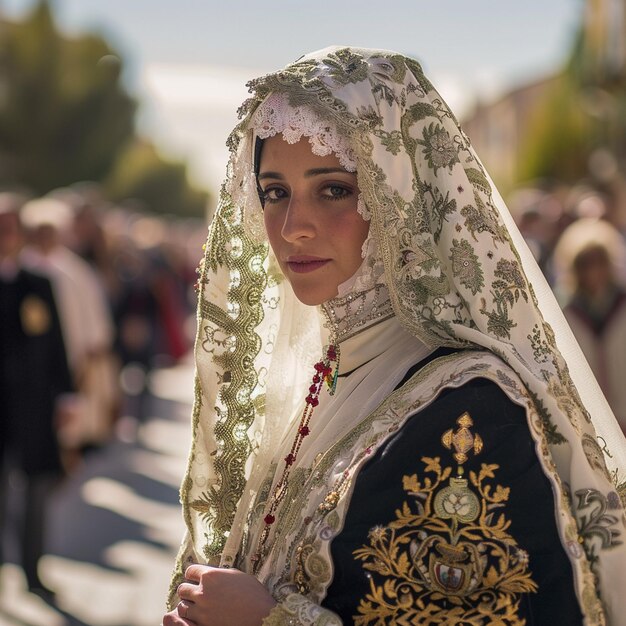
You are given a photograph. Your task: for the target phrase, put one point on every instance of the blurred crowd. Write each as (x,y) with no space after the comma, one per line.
(93,297)
(577,235)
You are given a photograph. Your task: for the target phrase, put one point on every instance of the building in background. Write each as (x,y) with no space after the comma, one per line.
(566,127)
(497,129)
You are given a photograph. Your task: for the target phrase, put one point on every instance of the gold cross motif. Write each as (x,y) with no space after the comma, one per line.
(462,440)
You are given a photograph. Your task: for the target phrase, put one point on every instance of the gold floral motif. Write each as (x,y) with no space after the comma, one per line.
(447,557)
(330,502)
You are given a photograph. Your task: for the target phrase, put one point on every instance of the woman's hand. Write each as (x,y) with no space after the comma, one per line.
(211,596)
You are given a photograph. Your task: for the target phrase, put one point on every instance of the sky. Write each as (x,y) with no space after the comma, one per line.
(188,60)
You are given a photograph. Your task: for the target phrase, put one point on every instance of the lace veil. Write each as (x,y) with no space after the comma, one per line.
(458,272)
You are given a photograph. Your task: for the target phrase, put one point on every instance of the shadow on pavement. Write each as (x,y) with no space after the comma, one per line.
(114,529)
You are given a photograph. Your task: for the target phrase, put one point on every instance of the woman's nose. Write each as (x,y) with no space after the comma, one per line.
(299,220)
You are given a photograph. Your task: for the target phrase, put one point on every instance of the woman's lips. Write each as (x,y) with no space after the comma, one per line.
(304,264)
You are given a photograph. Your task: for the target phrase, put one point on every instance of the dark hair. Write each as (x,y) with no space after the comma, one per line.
(258,147)
(594,252)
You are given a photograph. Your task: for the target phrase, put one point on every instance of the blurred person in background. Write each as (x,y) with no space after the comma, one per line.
(539,215)
(525,207)
(34,381)
(86,234)
(586,203)
(85,320)
(150,305)
(590,258)
(136,326)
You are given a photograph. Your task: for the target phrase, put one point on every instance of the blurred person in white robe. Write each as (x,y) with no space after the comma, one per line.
(590,259)
(85,319)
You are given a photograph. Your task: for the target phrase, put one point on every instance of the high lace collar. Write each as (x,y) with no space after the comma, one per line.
(361,323)
(352,313)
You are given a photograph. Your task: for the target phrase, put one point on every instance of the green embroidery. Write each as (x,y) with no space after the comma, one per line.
(413,114)
(478,179)
(399,66)
(478,220)
(506,291)
(232,356)
(440,208)
(417,112)
(392,141)
(345,67)
(596,524)
(540,347)
(551,432)
(440,151)
(466,266)
(418,72)
(382,91)
(370,116)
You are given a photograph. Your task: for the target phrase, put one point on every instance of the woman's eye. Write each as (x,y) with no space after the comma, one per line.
(337,192)
(274,194)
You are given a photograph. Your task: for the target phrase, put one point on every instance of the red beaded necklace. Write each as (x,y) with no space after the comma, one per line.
(323,374)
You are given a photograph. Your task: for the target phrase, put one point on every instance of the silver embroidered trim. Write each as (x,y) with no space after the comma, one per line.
(350,314)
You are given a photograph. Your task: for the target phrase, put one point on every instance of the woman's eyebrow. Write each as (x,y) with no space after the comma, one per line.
(326,170)
(263,175)
(316,171)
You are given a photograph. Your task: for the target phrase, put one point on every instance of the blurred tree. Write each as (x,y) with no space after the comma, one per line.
(559,136)
(584,114)
(64,115)
(157,185)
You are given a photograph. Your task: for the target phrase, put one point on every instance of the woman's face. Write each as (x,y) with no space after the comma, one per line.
(311,218)
(593,271)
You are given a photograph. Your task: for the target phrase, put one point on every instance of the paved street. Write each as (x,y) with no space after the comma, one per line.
(115,525)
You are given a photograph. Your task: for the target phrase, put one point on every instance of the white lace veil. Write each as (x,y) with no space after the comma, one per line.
(458,273)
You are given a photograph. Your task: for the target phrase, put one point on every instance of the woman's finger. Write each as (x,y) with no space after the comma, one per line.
(183,609)
(188,591)
(174,619)
(194,572)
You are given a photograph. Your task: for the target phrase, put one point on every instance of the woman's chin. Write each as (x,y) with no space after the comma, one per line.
(313,297)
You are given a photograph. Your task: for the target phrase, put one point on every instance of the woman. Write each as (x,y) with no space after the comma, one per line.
(385,429)
(590,260)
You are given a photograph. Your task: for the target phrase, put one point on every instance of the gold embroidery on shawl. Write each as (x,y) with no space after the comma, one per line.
(232,352)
